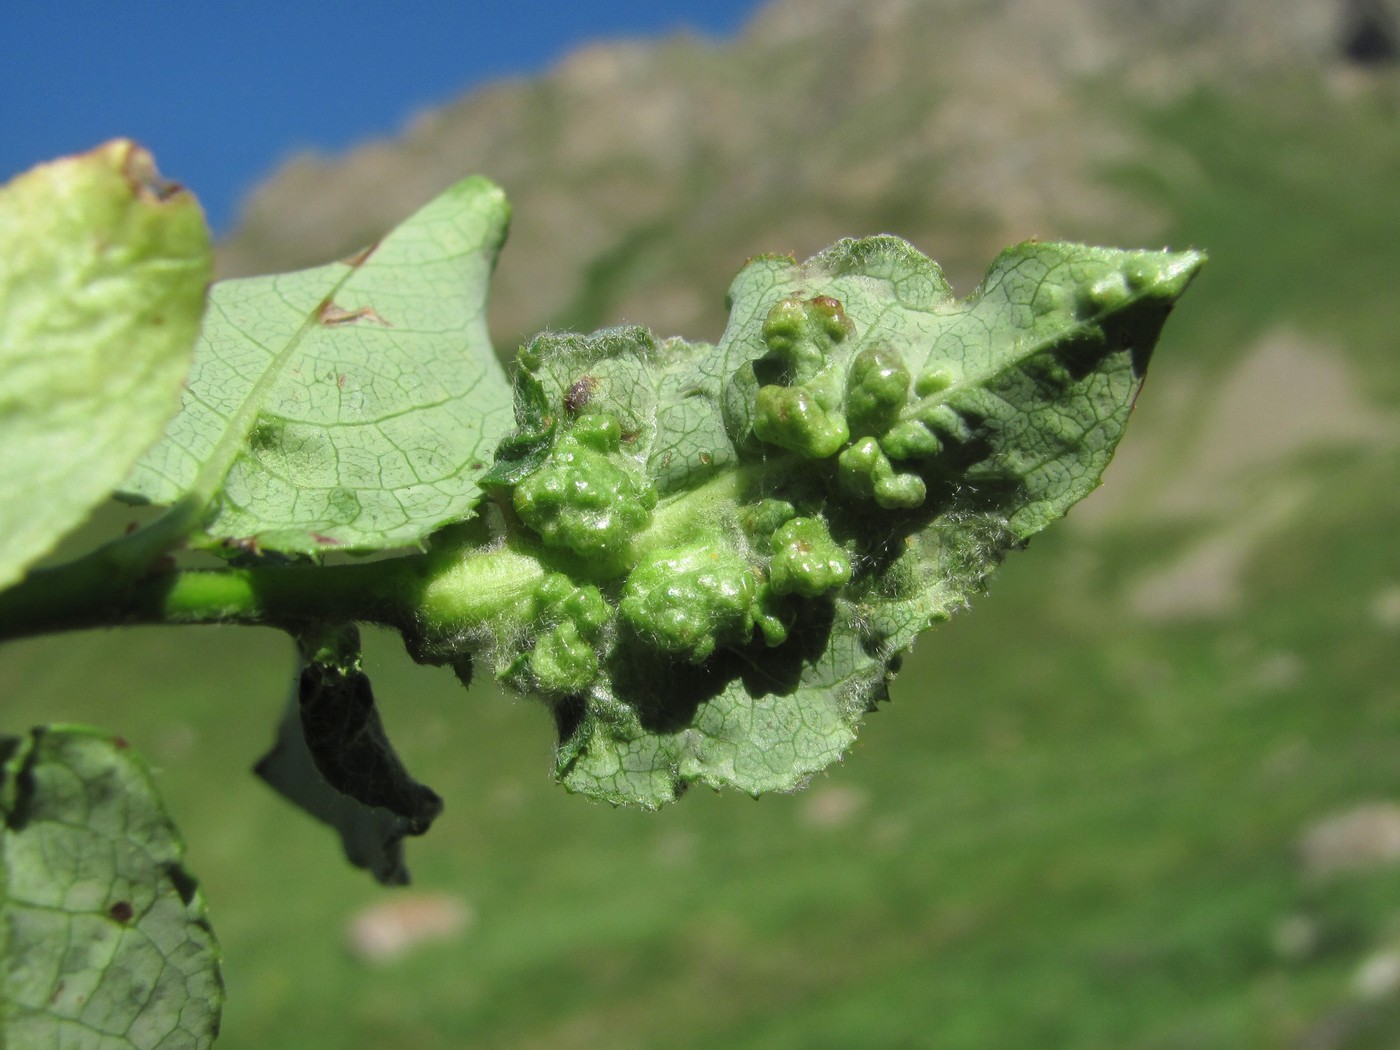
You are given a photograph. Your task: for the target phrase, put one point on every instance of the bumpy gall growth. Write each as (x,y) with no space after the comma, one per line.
(586,498)
(793,418)
(806,560)
(877,389)
(865,471)
(685,602)
(805,414)
(571,618)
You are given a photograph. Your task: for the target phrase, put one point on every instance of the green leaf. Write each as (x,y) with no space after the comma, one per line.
(334,760)
(103,270)
(871,447)
(103,939)
(352,406)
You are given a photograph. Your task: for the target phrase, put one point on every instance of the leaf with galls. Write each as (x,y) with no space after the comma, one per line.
(779,516)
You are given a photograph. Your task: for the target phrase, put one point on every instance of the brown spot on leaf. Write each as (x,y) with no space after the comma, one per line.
(122,911)
(332,315)
(139,169)
(580,393)
(330,541)
(834,311)
(358,258)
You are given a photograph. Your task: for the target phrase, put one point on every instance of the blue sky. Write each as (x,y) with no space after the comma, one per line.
(223,91)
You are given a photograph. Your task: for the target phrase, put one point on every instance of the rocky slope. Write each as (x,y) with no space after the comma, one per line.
(642,174)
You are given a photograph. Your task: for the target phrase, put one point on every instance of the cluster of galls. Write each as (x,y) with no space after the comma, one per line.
(589,502)
(593,503)
(684,602)
(857,407)
(587,498)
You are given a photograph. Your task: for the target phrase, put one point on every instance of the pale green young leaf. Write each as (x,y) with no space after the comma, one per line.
(351,406)
(104,942)
(103,270)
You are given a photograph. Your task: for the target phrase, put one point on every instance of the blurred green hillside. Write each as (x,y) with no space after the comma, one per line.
(1145,794)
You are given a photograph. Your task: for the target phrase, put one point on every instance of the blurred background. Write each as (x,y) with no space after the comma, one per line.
(1146,793)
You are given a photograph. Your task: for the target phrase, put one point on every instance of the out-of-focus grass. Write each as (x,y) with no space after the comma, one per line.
(1072,827)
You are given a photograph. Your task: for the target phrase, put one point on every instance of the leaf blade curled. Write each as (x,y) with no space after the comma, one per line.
(333,760)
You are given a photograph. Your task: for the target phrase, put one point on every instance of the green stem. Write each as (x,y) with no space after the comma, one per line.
(449,591)
(92,592)
(452,589)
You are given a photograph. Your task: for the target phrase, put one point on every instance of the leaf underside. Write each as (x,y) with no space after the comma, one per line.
(1032,377)
(104,944)
(347,407)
